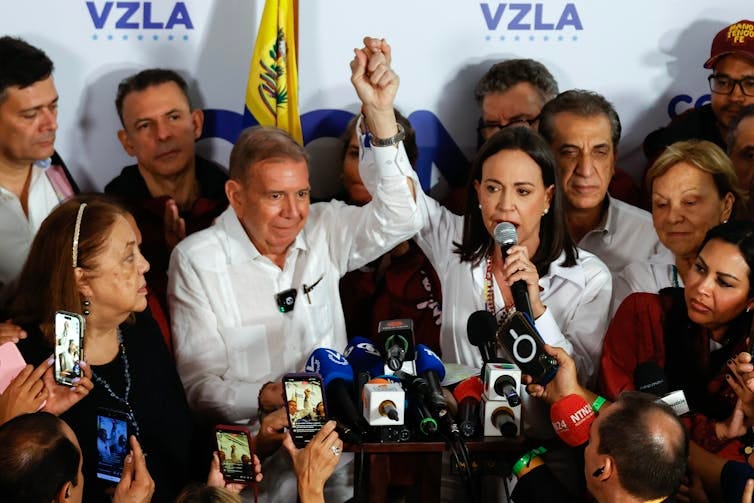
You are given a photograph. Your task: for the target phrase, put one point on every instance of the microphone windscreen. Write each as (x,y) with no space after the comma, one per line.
(481,327)
(330,365)
(571,418)
(469,388)
(505,234)
(428,361)
(650,378)
(363,356)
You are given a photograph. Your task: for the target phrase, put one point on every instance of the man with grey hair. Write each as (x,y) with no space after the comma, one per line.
(740,141)
(513,92)
(254,294)
(583,130)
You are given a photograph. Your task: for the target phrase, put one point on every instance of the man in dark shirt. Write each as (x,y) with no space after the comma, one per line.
(171,191)
(731,85)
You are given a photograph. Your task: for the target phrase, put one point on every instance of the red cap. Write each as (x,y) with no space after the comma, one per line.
(571,417)
(737,38)
(471,387)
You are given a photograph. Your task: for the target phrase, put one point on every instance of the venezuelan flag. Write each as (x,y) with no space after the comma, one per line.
(272,89)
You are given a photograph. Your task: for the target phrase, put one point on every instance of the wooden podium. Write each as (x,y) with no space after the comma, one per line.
(418,465)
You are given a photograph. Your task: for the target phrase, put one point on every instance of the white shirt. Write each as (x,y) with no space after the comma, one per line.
(229,336)
(654,274)
(577,298)
(18,230)
(626,234)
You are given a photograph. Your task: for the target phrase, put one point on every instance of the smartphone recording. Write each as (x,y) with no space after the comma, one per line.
(112,444)
(305,401)
(235,450)
(69,340)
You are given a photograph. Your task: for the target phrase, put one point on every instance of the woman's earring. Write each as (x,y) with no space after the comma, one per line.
(545,212)
(86,303)
(480,206)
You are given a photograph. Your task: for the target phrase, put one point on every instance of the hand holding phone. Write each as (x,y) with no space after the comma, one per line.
(136,484)
(69,346)
(113,432)
(62,397)
(521,340)
(306,406)
(235,452)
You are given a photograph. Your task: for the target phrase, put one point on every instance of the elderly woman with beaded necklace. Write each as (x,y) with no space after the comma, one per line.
(85,259)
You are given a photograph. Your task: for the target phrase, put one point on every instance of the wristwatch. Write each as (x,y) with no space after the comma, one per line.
(388,142)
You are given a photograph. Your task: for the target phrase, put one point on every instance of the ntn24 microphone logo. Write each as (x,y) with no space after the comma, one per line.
(530,16)
(582,414)
(139,15)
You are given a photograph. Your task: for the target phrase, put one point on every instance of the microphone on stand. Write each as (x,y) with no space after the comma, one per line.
(337,379)
(481,328)
(468,394)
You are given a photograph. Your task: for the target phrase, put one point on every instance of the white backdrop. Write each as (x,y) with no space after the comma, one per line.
(643,55)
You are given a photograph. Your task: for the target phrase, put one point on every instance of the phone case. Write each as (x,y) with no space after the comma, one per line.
(11,363)
(523,344)
(69,346)
(306,406)
(236,453)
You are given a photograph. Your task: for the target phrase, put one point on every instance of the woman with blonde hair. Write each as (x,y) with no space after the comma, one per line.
(693,187)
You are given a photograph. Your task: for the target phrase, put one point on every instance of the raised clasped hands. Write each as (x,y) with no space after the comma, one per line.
(376,84)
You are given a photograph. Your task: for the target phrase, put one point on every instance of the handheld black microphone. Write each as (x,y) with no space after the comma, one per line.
(505,236)
(481,328)
(398,345)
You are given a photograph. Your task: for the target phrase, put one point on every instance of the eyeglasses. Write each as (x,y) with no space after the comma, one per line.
(489,128)
(722,84)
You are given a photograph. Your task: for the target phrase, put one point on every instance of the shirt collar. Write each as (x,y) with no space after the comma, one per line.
(43,163)
(574,274)
(607,224)
(239,247)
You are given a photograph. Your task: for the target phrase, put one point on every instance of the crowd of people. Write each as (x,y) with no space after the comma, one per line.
(201,287)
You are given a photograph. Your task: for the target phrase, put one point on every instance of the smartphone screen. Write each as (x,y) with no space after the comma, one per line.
(69,337)
(305,401)
(11,363)
(235,450)
(112,443)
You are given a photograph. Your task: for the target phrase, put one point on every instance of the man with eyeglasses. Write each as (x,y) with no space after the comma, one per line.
(732,88)
(512,93)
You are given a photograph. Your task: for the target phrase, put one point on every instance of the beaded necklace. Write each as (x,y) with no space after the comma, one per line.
(127,375)
(488,296)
